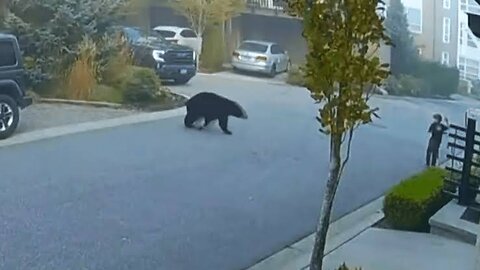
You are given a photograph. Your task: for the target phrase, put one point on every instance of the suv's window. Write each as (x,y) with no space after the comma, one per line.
(7,54)
(253,47)
(166,33)
(135,35)
(188,34)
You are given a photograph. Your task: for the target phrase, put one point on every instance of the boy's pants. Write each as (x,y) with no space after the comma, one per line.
(432,153)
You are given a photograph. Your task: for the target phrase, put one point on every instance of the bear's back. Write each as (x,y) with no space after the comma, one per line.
(208,99)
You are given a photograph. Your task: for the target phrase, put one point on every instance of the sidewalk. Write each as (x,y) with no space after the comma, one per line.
(379,249)
(353,240)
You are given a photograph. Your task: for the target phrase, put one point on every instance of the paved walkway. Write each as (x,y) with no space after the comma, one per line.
(379,249)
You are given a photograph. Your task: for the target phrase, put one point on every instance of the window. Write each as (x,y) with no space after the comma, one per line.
(446,4)
(7,54)
(419,51)
(469,68)
(276,49)
(446,30)
(414,17)
(188,34)
(166,34)
(461,33)
(470,41)
(469,6)
(445,58)
(253,47)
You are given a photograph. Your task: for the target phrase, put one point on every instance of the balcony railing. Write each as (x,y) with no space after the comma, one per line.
(266,4)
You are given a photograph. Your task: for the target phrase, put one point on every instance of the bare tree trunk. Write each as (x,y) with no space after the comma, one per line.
(316,261)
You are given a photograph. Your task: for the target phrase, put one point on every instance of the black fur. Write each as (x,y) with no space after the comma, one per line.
(211,106)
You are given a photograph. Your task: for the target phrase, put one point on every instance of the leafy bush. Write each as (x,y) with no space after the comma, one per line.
(50,31)
(442,80)
(142,86)
(296,76)
(213,49)
(410,204)
(107,93)
(407,85)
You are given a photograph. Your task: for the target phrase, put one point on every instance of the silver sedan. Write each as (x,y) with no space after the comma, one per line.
(260,56)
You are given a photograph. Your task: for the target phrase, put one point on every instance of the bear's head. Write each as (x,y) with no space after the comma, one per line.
(238,111)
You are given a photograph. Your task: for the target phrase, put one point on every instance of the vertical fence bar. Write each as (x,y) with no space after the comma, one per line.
(465,194)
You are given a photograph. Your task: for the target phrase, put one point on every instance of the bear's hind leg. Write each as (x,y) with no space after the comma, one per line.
(223,122)
(207,120)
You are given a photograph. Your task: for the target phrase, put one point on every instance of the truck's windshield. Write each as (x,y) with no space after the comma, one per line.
(135,35)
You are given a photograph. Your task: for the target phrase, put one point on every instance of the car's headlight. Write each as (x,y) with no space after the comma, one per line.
(158,55)
(194,55)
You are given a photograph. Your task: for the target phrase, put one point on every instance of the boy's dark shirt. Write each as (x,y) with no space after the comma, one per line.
(437,130)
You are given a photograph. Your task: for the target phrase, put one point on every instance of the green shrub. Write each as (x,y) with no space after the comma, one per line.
(107,93)
(407,85)
(141,86)
(410,204)
(213,49)
(296,76)
(443,80)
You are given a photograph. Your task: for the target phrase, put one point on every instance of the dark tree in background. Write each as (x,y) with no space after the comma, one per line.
(404,57)
(3,11)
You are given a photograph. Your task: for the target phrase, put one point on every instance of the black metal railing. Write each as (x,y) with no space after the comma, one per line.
(463,180)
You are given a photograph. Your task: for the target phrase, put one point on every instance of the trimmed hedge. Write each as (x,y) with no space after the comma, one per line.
(410,204)
(443,80)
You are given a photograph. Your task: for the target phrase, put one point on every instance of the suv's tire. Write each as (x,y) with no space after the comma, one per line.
(9,116)
(182,81)
(273,71)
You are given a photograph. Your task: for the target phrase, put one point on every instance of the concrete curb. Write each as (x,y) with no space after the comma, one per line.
(297,255)
(90,126)
(82,103)
(98,104)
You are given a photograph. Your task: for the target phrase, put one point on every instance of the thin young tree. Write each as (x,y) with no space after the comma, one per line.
(202,13)
(341,70)
(404,56)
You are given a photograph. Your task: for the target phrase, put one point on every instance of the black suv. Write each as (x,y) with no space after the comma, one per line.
(171,61)
(12,87)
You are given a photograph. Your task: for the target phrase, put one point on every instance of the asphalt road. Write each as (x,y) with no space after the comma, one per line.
(156,196)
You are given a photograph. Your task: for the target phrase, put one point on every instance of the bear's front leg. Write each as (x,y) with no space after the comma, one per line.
(189,120)
(223,121)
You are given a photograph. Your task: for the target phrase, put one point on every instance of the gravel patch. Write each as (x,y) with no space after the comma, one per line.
(42,116)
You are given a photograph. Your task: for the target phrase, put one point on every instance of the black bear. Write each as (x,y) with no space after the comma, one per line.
(211,106)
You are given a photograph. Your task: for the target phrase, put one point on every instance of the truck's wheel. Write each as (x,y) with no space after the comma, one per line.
(9,116)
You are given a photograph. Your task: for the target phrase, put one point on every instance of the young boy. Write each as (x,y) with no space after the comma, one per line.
(437,129)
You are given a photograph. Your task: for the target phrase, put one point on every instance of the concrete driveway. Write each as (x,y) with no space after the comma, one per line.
(158,196)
